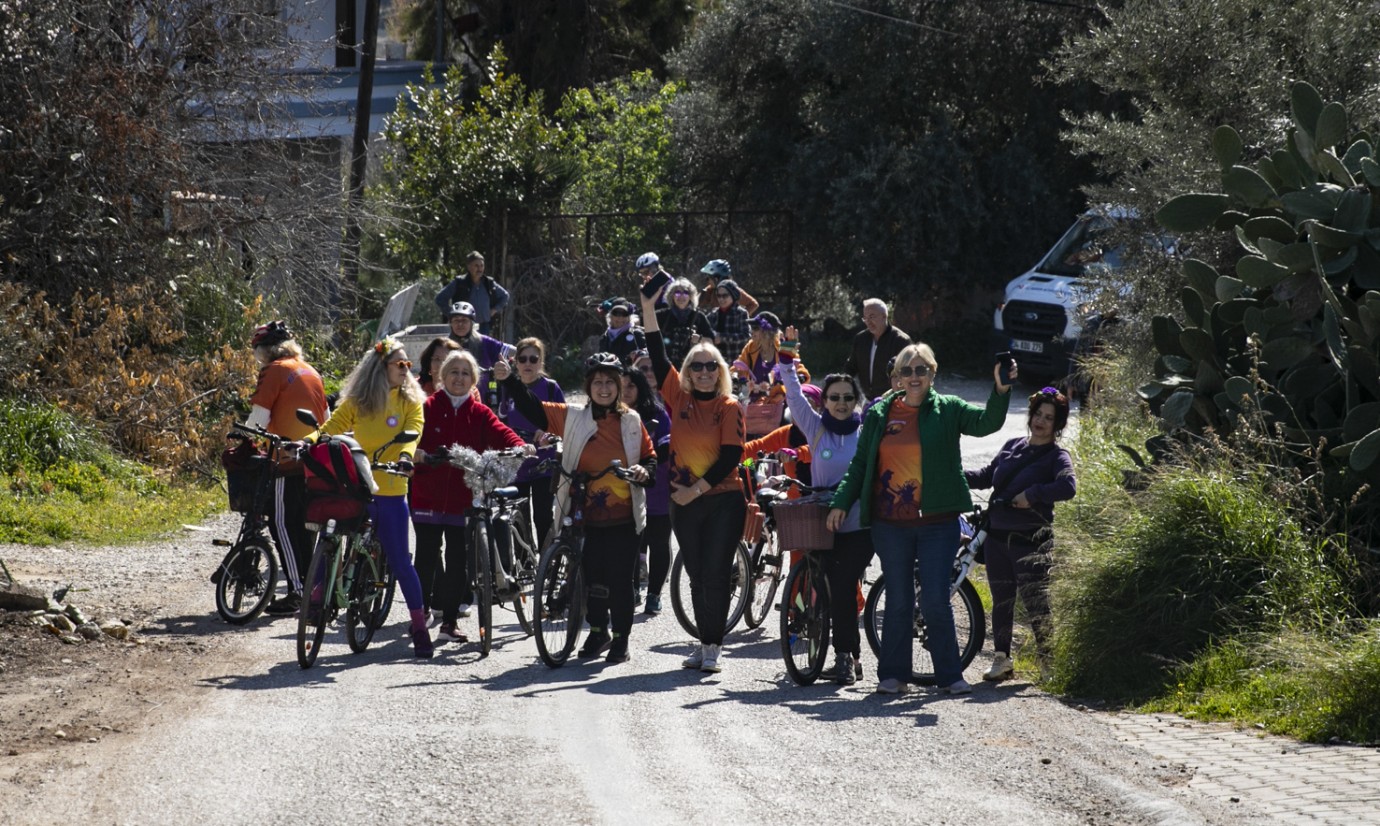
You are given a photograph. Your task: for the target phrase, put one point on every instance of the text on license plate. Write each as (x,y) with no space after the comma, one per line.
(1027,346)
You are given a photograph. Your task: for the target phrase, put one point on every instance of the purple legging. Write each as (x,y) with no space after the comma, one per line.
(391,521)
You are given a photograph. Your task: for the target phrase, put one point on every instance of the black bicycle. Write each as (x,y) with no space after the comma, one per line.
(558,592)
(765,562)
(247,577)
(970,619)
(806,622)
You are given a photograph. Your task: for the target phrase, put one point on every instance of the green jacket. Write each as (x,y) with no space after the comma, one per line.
(942,420)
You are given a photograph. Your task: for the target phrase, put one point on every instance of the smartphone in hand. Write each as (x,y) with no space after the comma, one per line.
(1007,362)
(655,284)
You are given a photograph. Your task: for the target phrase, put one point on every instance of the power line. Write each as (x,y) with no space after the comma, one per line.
(888,17)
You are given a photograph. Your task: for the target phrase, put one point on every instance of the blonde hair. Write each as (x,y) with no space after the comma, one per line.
(920,352)
(725,387)
(367,384)
(458,355)
(283,350)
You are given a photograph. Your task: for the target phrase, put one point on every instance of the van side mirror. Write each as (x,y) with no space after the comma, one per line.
(307,418)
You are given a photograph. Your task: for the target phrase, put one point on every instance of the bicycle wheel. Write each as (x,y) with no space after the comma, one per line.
(558,603)
(365,596)
(739,586)
(381,609)
(805,622)
(766,578)
(524,570)
(681,600)
(970,627)
(481,568)
(248,578)
(317,600)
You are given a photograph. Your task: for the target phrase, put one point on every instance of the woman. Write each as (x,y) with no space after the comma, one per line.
(707,504)
(729,321)
(440,498)
(1027,476)
(615,512)
(908,475)
(833,437)
(381,399)
(430,362)
(681,322)
(622,337)
(286,382)
(530,361)
(758,361)
(656,539)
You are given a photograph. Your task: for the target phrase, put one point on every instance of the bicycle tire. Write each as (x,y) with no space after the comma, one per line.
(740,580)
(379,615)
(524,573)
(767,574)
(970,627)
(558,603)
(481,555)
(248,579)
(805,624)
(366,591)
(314,614)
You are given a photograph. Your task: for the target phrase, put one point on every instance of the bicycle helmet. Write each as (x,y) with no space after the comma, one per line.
(603,361)
(463,308)
(267,335)
(718,268)
(647,259)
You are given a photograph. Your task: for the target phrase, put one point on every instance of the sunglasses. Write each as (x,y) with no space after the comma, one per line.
(680,292)
(704,366)
(724,295)
(848,397)
(404,363)
(528,359)
(623,313)
(919,372)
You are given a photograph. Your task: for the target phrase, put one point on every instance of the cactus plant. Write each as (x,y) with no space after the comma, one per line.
(1291,334)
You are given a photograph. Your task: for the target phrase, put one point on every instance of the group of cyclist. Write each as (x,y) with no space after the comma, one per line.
(661,401)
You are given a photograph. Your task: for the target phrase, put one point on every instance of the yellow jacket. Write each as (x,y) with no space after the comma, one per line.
(378,430)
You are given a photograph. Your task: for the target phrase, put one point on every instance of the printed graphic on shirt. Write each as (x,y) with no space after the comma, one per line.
(608,500)
(898,486)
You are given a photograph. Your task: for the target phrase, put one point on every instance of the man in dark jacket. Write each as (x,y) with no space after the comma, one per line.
(874,347)
(475,288)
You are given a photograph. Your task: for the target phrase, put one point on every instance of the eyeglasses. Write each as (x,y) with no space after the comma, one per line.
(680,292)
(404,363)
(919,371)
(704,366)
(619,312)
(528,359)
(848,397)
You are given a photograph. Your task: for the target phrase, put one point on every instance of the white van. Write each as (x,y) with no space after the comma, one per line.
(1041,319)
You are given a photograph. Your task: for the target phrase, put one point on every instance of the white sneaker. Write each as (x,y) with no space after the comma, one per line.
(435,619)
(696,658)
(960,687)
(891,685)
(710,663)
(1002,668)
(464,609)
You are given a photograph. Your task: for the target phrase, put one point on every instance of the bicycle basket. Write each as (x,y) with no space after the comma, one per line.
(800,524)
(761,419)
(245,469)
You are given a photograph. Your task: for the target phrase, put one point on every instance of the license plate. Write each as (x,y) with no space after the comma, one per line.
(1027,346)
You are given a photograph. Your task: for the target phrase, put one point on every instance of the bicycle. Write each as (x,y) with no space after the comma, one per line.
(765,559)
(739,581)
(348,572)
(558,592)
(247,577)
(489,528)
(806,623)
(970,619)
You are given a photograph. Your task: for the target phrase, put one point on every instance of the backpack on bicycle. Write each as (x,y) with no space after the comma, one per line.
(339,481)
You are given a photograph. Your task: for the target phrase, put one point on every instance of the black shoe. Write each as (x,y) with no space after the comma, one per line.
(283,606)
(618,650)
(596,643)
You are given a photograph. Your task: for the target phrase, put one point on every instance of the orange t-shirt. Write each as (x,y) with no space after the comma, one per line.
(698,430)
(609,499)
(896,494)
(285,385)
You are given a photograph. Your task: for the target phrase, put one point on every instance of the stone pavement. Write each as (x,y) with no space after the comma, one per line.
(1290,781)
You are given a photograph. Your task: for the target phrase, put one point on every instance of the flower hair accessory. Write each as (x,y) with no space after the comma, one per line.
(1048,394)
(386,345)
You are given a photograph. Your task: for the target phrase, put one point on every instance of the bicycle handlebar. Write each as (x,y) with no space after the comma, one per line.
(257,431)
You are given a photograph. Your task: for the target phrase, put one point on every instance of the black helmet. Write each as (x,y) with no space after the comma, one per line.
(267,335)
(603,361)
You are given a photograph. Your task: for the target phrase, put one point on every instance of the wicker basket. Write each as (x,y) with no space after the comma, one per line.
(800,525)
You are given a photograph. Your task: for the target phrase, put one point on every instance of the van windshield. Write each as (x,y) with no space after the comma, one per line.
(1086,243)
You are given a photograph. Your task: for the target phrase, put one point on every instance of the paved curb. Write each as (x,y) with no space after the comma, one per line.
(1290,781)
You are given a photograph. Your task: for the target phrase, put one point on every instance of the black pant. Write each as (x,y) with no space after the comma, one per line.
(708,530)
(543,501)
(287,518)
(610,564)
(1016,567)
(843,567)
(443,588)
(656,542)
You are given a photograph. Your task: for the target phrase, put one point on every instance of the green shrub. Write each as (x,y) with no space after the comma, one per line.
(35,436)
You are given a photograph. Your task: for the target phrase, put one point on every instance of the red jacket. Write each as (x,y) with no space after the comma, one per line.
(439,494)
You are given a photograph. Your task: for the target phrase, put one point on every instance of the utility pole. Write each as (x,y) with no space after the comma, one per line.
(359,148)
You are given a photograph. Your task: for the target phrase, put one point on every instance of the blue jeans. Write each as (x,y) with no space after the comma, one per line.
(926,552)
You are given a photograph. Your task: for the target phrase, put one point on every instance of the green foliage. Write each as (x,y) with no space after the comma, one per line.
(101,510)
(35,437)
(619,137)
(452,167)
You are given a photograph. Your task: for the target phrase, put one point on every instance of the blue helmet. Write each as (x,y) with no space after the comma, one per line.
(647,259)
(718,268)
